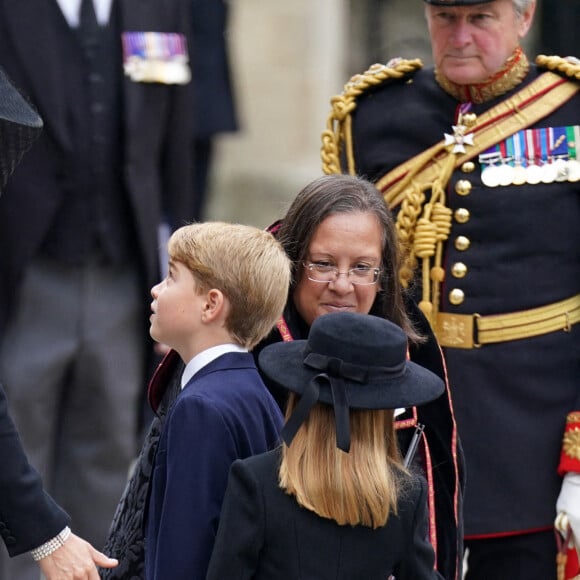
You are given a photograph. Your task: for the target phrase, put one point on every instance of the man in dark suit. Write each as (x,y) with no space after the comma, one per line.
(29,518)
(213,93)
(113,162)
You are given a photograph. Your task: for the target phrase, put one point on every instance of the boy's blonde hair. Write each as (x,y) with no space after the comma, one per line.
(245,263)
(356,488)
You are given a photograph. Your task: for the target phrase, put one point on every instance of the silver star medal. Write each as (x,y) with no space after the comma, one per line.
(459,139)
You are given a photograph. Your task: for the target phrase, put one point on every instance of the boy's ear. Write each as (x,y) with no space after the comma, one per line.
(214,305)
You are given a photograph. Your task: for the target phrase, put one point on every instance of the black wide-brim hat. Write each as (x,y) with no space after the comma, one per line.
(349,360)
(20,125)
(457,2)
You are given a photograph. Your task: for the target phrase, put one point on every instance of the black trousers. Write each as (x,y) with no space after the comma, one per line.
(521,557)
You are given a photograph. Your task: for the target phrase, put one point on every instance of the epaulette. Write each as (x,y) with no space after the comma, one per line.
(337,133)
(570,456)
(568,66)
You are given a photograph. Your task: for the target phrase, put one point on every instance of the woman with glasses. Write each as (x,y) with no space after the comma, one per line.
(342,242)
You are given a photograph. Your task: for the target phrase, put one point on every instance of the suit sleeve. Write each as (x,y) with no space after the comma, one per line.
(419,560)
(28,515)
(200,449)
(241,531)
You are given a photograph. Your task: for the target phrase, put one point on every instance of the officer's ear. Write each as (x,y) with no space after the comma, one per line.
(526,19)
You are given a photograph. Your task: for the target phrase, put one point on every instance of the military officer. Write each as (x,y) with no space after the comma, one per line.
(479,156)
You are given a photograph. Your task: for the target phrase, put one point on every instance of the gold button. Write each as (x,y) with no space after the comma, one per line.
(459,270)
(469,119)
(456,296)
(468,167)
(462,243)
(463,187)
(461,215)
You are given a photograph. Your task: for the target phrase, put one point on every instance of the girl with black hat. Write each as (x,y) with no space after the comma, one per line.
(334,501)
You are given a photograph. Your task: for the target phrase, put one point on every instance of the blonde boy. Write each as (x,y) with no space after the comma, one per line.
(226,287)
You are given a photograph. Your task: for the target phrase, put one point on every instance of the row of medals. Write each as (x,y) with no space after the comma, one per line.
(500,172)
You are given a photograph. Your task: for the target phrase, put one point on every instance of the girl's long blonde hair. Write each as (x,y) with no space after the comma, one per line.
(357,488)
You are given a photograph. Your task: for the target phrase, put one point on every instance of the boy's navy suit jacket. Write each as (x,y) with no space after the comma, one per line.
(224,413)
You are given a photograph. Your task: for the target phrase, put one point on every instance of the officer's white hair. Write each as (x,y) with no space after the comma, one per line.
(520,6)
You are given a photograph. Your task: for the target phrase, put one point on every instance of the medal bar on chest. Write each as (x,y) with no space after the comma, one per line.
(532,156)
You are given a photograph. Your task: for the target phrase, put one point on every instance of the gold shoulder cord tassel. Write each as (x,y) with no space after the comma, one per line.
(424,227)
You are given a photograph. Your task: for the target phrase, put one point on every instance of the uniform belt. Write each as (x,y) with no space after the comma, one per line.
(474,330)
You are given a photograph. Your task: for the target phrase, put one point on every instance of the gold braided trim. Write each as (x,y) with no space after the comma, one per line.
(507,78)
(338,125)
(571,444)
(570,456)
(473,330)
(562,562)
(568,66)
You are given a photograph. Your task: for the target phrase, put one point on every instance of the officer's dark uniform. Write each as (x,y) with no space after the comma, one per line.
(511,248)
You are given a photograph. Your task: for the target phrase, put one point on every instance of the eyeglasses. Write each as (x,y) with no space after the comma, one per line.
(325,273)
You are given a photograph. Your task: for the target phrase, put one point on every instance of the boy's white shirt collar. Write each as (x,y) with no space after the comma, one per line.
(71,9)
(205,357)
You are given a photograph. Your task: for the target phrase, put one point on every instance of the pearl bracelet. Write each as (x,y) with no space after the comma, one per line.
(51,546)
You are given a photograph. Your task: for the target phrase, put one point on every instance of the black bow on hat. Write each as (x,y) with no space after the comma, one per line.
(350,361)
(20,125)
